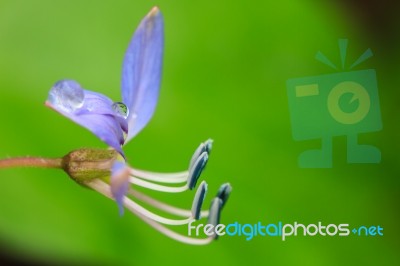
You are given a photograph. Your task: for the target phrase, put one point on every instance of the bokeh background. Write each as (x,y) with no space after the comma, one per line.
(225,68)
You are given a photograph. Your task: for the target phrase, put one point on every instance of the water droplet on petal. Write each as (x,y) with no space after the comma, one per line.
(120,109)
(67,94)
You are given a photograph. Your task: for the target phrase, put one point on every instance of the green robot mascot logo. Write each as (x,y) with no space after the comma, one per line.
(344,103)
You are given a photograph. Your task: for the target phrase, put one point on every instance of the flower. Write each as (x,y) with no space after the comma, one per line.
(116,123)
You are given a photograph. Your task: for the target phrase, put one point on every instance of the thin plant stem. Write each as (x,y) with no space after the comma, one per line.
(30,162)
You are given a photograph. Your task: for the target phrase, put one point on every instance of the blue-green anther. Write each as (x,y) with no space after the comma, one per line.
(198,200)
(208,146)
(203,147)
(215,213)
(195,171)
(223,193)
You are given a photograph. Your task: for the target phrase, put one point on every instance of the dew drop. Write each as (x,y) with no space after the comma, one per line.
(67,94)
(121,109)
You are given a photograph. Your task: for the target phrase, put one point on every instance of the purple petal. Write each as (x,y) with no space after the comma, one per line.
(141,71)
(119,183)
(105,127)
(88,109)
(96,103)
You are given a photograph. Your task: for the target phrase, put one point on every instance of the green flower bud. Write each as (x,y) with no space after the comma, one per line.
(86,164)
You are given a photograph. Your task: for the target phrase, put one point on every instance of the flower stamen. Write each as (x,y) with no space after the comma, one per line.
(164,206)
(171,178)
(153,220)
(174,235)
(159,204)
(152,186)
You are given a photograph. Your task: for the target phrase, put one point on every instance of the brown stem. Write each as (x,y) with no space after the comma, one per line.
(30,162)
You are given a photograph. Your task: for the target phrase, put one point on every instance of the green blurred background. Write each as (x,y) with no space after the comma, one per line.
(225,68)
